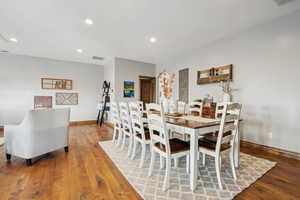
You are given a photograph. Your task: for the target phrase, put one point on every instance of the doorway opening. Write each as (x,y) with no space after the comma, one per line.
(147,89)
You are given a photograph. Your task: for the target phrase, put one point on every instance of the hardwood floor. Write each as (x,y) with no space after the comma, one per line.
(87,173)
(83,173)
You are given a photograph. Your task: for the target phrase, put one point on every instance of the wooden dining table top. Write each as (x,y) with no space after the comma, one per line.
(191,123)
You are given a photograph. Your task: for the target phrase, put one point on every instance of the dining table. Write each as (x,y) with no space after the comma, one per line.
(195,127)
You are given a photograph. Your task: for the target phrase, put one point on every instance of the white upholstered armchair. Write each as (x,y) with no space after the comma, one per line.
(41,131)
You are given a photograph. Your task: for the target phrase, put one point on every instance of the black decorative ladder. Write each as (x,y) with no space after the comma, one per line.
(105,95)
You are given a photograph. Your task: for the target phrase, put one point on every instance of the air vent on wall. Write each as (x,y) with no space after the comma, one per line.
(98,58)
(282,2)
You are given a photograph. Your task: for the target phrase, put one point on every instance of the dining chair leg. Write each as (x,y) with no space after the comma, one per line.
(134,149)
(203,159)
(185,137)
(120,136)
(124,141)
(176,161)
(217,163)
(162,162)
(167,176)
(143,155)
(187,164)
(130,146)
(232,163)
(115,135)
(152,161)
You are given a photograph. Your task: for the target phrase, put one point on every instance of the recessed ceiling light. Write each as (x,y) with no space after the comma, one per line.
(152,39)
(79,50)
(88,21)
(13,40)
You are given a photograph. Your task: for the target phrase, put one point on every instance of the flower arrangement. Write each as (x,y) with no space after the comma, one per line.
(227,90)
(226,87)
(165,84)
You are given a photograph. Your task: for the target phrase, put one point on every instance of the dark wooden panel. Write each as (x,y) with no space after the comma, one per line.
(147,89)
(184,85)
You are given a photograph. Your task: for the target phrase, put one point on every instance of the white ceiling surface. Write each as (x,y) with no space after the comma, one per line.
(56,28)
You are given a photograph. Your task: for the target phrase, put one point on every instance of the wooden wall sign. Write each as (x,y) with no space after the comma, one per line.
(56,84)
(66,98)
(215,75)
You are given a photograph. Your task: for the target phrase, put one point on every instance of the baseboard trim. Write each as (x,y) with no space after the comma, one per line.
(109,124)
(273,150)
(80,123)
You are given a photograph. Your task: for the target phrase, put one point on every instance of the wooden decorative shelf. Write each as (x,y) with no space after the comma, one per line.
(56,84)
(215,75)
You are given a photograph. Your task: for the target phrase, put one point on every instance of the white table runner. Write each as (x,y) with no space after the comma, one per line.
(198,119)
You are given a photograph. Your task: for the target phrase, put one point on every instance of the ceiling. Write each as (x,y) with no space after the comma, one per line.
(122,28)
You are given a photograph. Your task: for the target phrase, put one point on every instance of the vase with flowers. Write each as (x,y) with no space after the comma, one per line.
(227,91)
(166,82)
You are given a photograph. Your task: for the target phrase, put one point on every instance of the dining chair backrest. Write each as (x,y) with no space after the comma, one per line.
(181,107)
(172,106)
(219,110)
(125,117)
(141,105)
(157,123)
(229,124)
(136,119)
(196,107)
(115,114)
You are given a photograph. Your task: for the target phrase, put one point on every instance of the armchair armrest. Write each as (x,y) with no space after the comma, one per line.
(14,139)
(10,131)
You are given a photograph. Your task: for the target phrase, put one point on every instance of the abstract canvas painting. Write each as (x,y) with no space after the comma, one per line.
(66,98)
(128,89)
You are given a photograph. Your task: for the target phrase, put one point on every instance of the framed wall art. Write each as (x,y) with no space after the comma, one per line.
(42,102)
(128,89)
(66,98)
(56,84)
(215,75)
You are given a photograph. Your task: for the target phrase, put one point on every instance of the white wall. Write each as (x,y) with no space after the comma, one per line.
(130,70)
(109,72)
(20,81)
(266,63)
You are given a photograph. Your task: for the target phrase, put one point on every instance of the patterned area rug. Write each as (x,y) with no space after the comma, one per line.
(251,168)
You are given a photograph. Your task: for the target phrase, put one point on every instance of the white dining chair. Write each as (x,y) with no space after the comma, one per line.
(126,126)
(161,144)
(115,114)
(141,106)
(214,145)
(141,134)
(181,107)
(172,107)
(219,110)
(196,107)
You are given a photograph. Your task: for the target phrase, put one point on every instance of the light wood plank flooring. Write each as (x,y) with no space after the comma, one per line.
(87,173)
